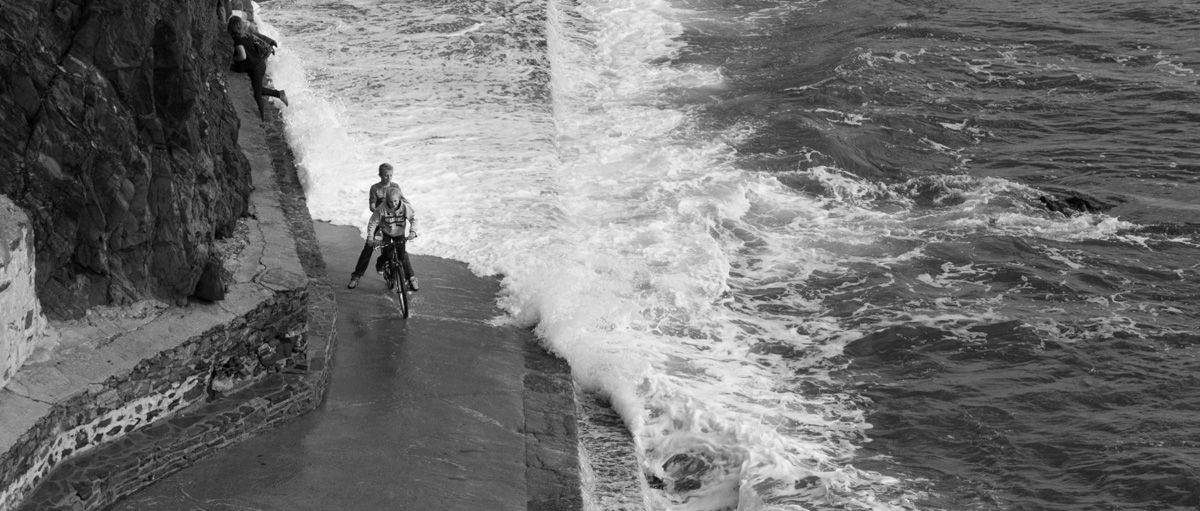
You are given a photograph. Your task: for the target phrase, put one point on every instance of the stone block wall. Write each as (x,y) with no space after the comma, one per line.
(22,324)
(166,385)
(147,455)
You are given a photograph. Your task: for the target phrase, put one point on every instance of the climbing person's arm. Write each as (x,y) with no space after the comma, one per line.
(267,39)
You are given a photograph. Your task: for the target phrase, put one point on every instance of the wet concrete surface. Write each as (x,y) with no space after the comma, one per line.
(424,413)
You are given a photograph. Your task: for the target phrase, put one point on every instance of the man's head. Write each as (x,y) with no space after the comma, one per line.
(385,172)
(393,197)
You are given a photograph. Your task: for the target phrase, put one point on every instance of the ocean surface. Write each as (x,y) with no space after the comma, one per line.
(804,255)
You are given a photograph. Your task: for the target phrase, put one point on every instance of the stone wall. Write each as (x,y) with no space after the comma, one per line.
(21,322)
(164,385)
(120,144)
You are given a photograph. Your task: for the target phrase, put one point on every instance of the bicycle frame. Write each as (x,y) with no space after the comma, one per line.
(396,275)
(394,262)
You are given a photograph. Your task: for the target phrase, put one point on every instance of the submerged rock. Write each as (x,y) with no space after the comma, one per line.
(1071,205)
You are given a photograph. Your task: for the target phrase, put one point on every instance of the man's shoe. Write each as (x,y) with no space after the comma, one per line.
(353,282)
(412,284)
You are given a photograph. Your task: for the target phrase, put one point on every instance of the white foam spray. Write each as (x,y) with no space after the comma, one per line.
(670,280)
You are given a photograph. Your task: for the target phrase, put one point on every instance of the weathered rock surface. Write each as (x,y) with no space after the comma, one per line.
(119,143)
(21,320)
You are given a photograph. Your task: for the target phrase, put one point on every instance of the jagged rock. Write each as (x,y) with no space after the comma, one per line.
(120,144)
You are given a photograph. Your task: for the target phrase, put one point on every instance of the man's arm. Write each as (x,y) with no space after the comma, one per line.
(371,202)
(371,226)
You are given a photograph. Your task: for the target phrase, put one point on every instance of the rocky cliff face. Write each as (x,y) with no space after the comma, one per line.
(119,143)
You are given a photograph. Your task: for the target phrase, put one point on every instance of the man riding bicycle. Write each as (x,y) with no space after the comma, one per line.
(388,222)
(379,190)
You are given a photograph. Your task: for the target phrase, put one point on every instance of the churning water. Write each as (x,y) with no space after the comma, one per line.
(841,254)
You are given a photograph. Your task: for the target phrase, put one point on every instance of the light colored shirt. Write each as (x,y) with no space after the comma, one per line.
(378,194)
(392,222)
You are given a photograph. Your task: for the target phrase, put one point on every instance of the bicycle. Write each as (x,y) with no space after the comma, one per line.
(395,275)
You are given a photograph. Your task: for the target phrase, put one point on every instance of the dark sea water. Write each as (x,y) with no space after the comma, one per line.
(1006,364)
(841,254)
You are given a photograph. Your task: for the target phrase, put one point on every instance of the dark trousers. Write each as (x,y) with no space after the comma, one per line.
(257,72)
(364,258)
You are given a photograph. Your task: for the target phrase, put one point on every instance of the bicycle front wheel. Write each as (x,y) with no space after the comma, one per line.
(399,280)
(402,297)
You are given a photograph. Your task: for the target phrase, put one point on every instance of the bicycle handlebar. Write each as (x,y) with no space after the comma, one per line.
(391,241)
